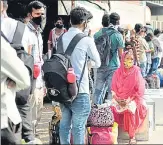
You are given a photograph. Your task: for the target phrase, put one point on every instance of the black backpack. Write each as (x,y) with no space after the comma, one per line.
(23,95)
(103,44)
(55,72)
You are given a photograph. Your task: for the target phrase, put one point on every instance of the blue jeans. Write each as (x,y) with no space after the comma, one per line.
(102,85)
(148,67)
(75,116)
(155,64)
(143,67)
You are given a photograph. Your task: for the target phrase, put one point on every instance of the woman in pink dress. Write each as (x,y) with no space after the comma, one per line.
(128,87)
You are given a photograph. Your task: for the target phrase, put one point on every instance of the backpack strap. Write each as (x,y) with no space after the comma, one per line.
(73,43)
(81,77)
(71,48)
(18,35)
(3,35)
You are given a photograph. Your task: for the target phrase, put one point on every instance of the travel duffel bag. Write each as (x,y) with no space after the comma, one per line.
(101,116)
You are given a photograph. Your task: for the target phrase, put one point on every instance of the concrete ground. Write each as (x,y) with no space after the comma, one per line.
(156,137)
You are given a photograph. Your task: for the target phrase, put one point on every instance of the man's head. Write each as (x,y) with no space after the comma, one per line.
(149,37)
(80,17)
(139,28)
(59,23)
(114,19)
(157,32)
(36,12)
(105,20)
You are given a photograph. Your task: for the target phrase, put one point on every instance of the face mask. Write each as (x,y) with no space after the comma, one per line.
(59,26)
(128,63)
(41,21)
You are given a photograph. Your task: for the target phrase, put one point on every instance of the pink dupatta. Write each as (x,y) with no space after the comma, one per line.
(128,84)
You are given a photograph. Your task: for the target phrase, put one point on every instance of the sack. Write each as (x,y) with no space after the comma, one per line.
(103,44)
(23,95)
(103,135)
(101,116)
(55,73)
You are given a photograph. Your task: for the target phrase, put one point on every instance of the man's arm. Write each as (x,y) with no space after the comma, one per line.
(93,53)
(13,67)
(120,44)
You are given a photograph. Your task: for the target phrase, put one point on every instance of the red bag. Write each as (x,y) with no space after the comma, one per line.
(36,71)
(103,135)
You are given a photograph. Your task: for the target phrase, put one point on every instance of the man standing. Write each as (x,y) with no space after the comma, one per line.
(37,20)
(156,58)
(103,82)
(77,113)
(13,79)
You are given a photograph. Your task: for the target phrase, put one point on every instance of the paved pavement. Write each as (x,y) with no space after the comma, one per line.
(156,136)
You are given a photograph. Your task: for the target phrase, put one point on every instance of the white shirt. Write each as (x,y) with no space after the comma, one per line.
(85,46)
(8,27)
(157,47)
(36,42)
(11,67)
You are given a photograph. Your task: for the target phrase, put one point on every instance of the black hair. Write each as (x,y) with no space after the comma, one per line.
(35,5)
(59,18)
(121,30)
(114,17)
(78,15)
(138,27)
(105,20)
(157,31)
(148,37)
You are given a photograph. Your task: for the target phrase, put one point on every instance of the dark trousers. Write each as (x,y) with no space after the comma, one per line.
(27,126)
(12,134)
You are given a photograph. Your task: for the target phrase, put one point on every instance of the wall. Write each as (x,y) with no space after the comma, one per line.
(131,13)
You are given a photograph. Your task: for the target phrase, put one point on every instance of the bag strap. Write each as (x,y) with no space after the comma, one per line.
(83,70)
(3,35)
(73,43)
(18,35)
(71,48)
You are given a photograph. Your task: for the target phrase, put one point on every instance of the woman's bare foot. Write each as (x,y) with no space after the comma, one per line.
(132,141)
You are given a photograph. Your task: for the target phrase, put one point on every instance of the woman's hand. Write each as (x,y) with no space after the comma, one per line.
(122,103)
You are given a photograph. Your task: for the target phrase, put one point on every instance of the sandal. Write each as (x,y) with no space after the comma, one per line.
(132,141)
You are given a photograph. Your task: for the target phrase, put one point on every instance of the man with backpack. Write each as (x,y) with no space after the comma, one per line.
(110,45)
(16,31)
(13,79)
(67,74)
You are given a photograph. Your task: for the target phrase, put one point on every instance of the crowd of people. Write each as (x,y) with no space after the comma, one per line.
(118,74)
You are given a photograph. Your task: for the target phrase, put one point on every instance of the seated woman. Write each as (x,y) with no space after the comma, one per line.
(128,87)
